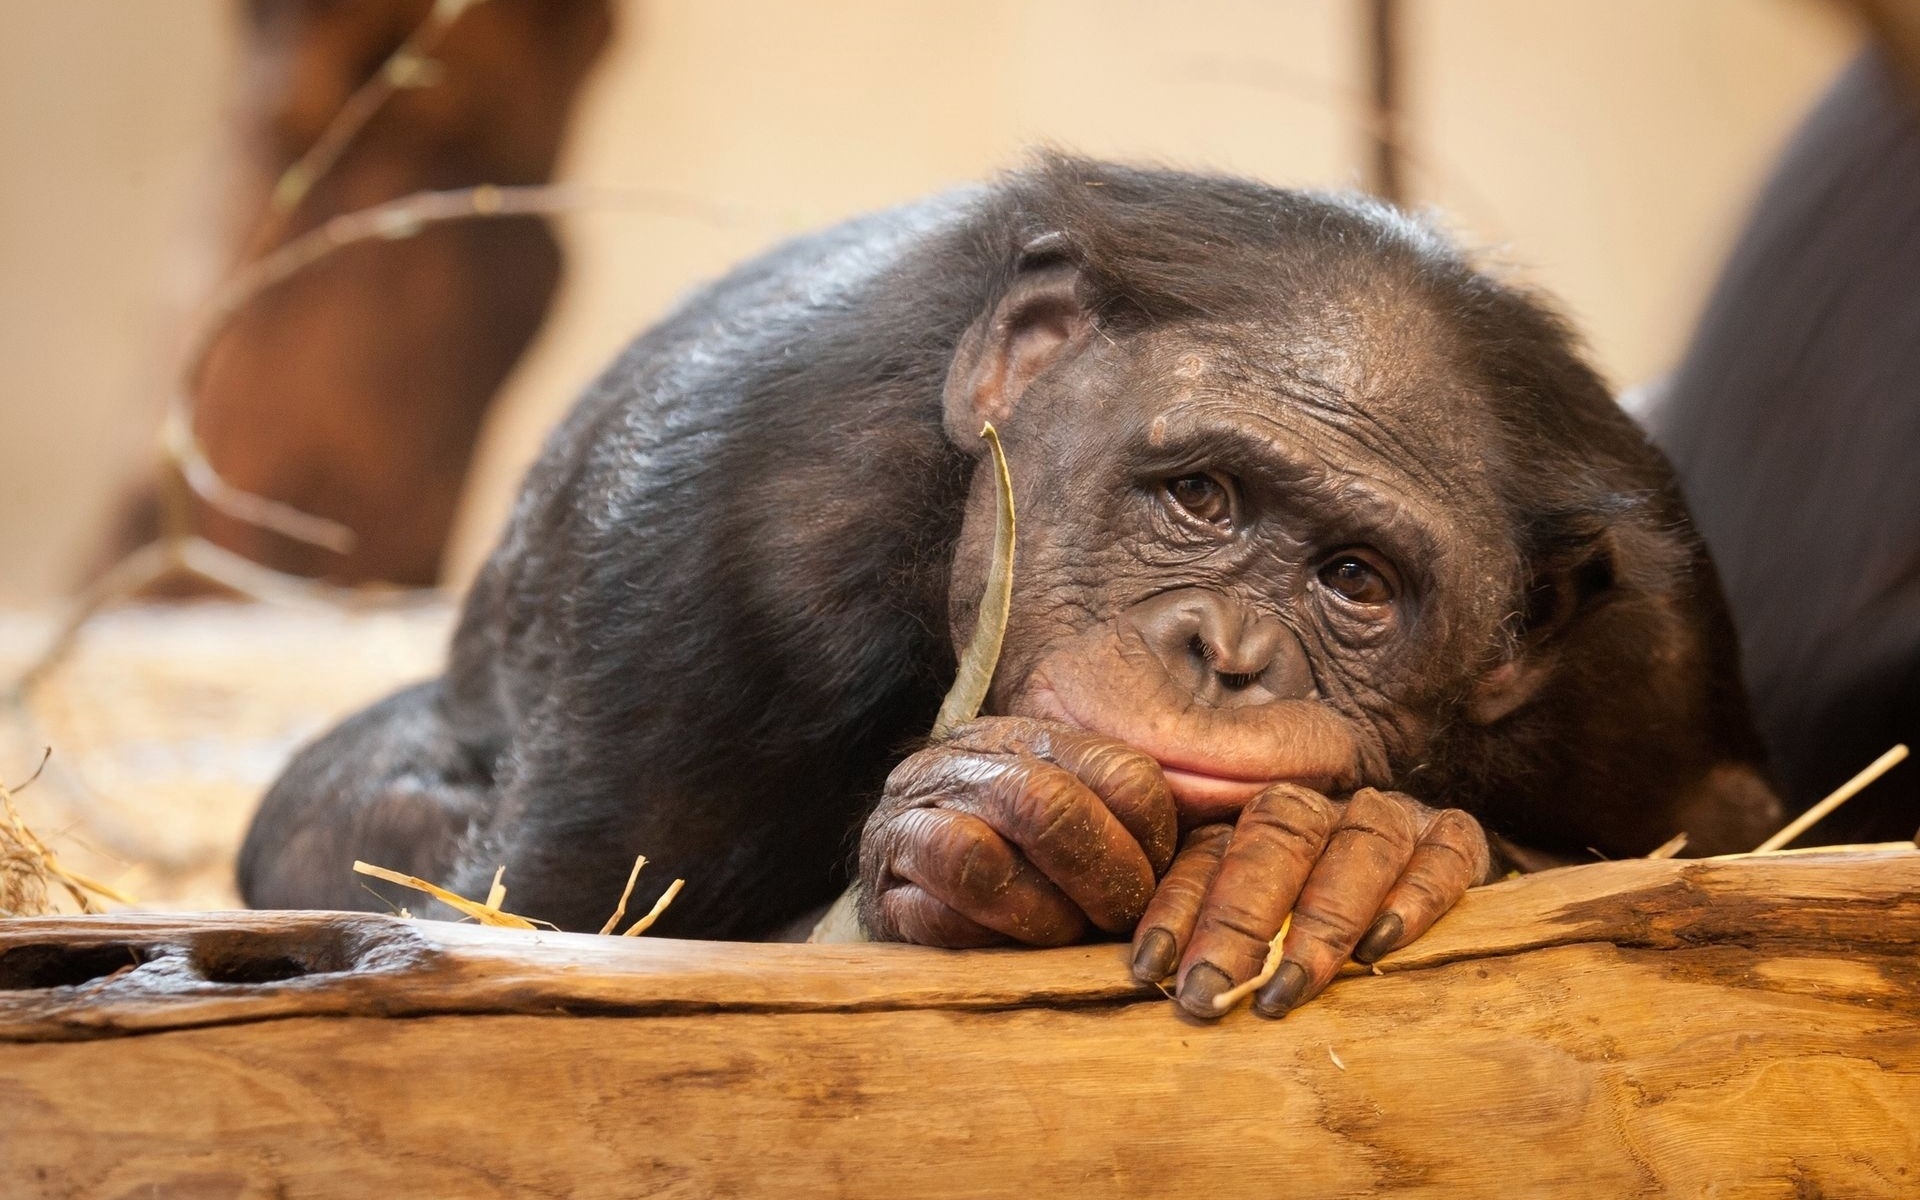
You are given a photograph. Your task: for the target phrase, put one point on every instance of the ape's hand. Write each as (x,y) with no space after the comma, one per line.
(1360,877)
(1015,829)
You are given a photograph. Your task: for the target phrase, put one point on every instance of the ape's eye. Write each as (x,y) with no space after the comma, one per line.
(1357,579)
(1204,497)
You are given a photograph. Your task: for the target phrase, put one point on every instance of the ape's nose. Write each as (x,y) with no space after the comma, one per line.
(1228,654)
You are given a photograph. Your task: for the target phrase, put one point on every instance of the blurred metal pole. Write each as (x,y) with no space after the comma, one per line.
(1384,175)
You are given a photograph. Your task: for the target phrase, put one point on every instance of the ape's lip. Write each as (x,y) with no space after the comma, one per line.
(1204,799)
(1206,787)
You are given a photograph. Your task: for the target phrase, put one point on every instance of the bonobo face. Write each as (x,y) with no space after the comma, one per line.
(1256,553)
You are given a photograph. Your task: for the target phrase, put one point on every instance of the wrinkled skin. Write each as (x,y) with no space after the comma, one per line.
(1228,624)
(1237,615)
(1327,541)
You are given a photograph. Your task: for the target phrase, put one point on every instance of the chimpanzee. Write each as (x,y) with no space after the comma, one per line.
(1315,519)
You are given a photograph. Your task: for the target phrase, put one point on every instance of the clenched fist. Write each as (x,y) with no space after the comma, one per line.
(1016,829)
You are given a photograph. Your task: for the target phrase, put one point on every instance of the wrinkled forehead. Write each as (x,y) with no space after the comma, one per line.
(1382,417)
(1378,398)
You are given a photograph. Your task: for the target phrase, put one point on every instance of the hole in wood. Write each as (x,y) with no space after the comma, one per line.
(270,958)
(51,966)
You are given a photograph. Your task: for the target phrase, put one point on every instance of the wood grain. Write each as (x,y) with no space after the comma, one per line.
(1744,1027)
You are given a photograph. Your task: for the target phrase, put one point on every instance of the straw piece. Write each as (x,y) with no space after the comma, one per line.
(969,691)
(1234,995)
(486,914)
(27,864)
(1845,792)
(1671,846)
(626,894)
(659,906)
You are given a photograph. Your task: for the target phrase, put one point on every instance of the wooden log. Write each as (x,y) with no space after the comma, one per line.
(1737,1027)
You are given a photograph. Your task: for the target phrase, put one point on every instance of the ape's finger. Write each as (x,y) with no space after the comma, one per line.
(959,860)
(1128,780)
(1451,857)
(1167,926)
(912,914)
(1277,840)
(1366,854)
(1064,830)
(1135,791)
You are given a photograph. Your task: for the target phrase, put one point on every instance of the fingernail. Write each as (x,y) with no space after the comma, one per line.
(1384,935)
(1203,982)
(1282,992)
(1153,961)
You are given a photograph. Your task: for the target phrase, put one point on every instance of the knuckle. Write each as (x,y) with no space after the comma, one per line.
(1047,798)
(1295,813)
(959,854)
(1397,840)
(1297,798)
(1207,839)
(1463,866)
(1428,895)
(1458,831)
(917,775)
(997,735)
(1407,803)
(1245,907)
(1324,931)
(1381,815)
(1177,889)
(1235,923)
(976,875)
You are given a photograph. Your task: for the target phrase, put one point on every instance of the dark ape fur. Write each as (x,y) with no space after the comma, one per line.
(720,608)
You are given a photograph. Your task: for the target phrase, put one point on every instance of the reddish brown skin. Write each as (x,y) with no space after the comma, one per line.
(1261,686)
(1054,820)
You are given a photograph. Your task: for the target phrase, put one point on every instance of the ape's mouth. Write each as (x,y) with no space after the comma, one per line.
(1215,759)
(1204,798)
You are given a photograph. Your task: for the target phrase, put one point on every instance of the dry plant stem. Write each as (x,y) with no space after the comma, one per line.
(405,67)
(1670,847)
(486,914)
(626,894)
(392,221)
(1845,792)
(490,912)
(179,550)
(1234,995)
(22,847)
(659,906)
(982,655)
(191,556)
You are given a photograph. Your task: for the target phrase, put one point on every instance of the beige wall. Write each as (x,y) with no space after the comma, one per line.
(1605,147)
(108,112)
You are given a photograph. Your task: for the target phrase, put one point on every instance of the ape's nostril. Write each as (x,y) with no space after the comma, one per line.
(1233,681)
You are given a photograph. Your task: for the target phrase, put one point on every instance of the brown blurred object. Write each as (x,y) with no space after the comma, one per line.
(356,391)
(1895,24)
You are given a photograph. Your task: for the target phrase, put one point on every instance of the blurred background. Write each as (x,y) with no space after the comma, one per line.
(1606,148)
(363,416)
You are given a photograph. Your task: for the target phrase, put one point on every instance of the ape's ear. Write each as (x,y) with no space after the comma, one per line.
(1036,321)
(1570,580)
